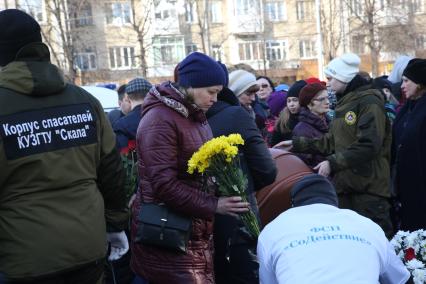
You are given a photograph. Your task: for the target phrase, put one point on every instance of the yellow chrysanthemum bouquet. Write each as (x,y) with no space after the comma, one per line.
(218,159)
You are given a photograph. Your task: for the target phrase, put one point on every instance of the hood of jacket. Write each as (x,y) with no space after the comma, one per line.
(399,66)
(317,122)
(227,95)
(357,89)
(32,73)
(169,95)
(225,98)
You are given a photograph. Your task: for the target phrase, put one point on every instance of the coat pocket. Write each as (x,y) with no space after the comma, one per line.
(353,180)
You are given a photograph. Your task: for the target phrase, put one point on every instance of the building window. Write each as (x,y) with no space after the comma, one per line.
(304,10)
(356,7)
(250,51)
(402,4)
(165,14)
(276,11)
(190,48)
(118,13)
(420,42)
(33,7)
(243,6)
(83,16)
(276,50)
(190,12)
(307,49)
(416,6)
(86,61)
(358,44)
(122,57)
(168,50)
(217,52)
(216,12)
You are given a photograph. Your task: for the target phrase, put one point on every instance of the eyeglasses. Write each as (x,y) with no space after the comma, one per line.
(264,86)
(321,100)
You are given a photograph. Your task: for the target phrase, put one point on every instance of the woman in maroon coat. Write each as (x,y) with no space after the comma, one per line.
(172,128)
(313,100)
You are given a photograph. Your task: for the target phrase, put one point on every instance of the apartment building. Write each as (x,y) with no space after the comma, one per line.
(116,40)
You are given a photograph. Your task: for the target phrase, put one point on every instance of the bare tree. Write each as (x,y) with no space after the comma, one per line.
(330,28)
(211,35)
(200,9)
(59,36)
(141,24)
(373,18)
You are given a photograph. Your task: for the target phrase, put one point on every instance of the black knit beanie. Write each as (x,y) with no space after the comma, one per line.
(295,89)
(416,70)
(313,189)
(17,29)
(382,83)
(226,73)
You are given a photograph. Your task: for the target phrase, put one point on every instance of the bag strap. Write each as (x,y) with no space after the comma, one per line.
(164,220)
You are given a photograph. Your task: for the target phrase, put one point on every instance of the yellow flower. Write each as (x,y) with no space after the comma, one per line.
(235,139)
(222,146)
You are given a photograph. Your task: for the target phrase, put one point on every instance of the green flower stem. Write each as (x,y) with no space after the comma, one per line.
(232,182)
(250,221)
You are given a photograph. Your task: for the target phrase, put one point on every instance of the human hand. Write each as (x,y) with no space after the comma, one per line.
(286,145)
(119,245)
(231,206)
(323,168)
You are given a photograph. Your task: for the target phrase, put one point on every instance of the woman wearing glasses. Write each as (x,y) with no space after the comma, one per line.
(313,100)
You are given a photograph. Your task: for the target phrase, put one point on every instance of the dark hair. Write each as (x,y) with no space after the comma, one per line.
(121,91)
(137,95)
(365,75)
(269,81)
(176,74)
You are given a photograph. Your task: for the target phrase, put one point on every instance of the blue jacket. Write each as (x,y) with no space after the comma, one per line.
(226,117)
(126,127)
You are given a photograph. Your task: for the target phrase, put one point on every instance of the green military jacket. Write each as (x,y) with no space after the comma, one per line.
(61,178)
(357,145)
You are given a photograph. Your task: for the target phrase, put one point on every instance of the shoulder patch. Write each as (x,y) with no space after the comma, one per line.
(350,118)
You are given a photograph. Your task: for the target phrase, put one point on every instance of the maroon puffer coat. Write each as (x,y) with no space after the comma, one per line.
(170,131)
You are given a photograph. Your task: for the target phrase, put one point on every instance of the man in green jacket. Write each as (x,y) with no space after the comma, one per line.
(61,178)
(357,145)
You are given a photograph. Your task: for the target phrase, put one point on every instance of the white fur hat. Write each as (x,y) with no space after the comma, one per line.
(240,81)
(343,68)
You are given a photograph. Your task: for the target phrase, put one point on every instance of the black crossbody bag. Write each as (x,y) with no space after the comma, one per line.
(161,227)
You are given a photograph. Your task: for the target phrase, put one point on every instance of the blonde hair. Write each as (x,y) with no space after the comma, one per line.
(283,121)
(421,88)
(420,91)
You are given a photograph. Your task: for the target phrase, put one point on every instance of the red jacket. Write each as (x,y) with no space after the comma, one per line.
(170,131)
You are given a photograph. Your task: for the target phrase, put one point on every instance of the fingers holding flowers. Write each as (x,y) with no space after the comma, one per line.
(233,206)
(218,159)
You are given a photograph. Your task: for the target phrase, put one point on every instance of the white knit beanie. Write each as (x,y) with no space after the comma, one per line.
(240,81)
(343,68)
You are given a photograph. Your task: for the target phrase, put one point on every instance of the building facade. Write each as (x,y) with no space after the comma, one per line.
(117,40)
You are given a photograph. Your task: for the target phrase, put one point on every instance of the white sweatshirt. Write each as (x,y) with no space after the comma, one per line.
(321,243)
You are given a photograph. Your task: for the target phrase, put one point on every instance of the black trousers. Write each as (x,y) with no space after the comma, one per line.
(374,207)
(235,260)
(88,274)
